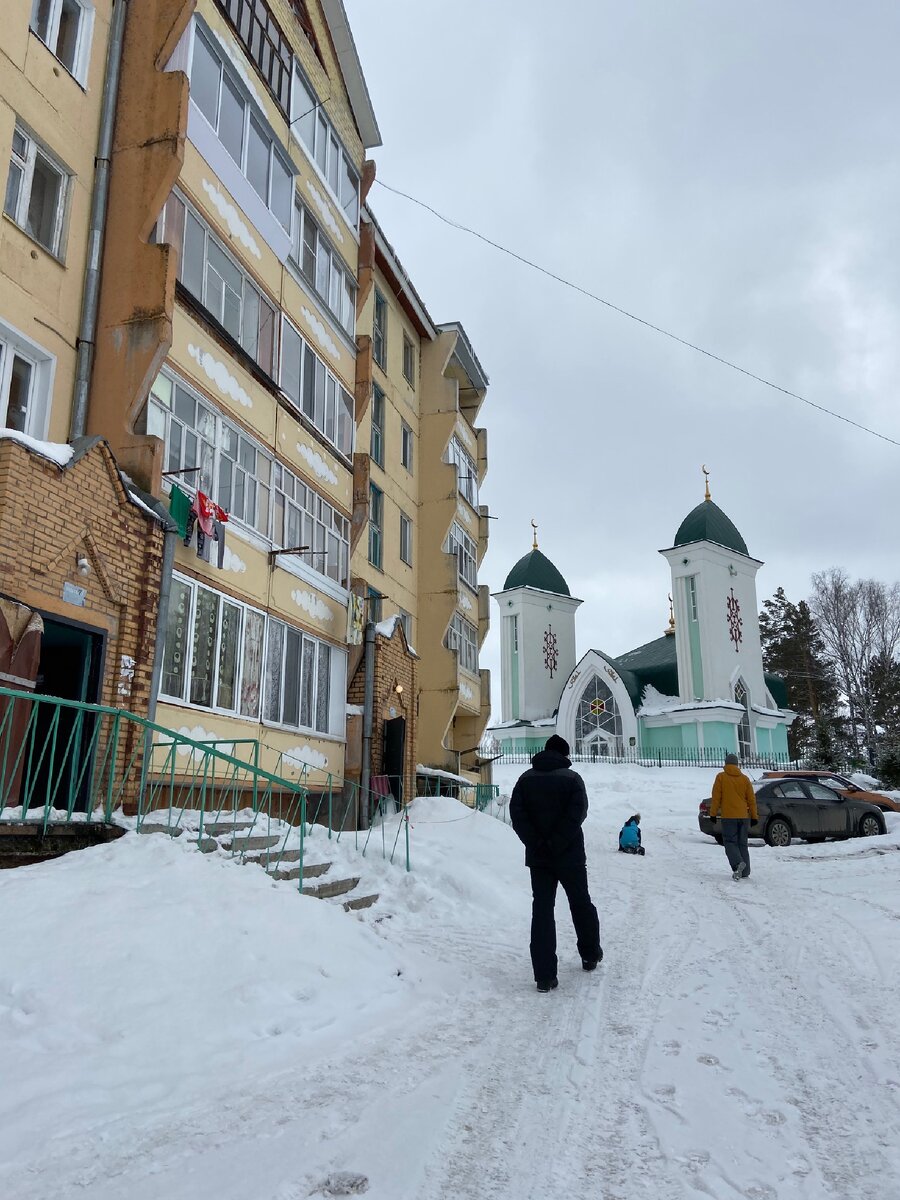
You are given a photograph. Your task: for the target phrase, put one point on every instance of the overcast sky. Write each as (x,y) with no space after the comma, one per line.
(729,172)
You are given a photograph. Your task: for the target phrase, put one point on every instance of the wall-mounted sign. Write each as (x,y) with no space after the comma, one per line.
(73,594)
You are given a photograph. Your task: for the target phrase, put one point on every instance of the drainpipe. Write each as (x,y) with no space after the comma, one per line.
(365,773)
(162,619)
(87,331)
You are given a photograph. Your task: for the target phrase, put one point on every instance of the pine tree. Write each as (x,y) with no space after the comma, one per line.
(792,648)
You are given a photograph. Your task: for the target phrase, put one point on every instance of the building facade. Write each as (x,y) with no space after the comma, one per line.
(81,550)
(260,374)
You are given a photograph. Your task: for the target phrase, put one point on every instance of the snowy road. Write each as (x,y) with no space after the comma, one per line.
(739,1040)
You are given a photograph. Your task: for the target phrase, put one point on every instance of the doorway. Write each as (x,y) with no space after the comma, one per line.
(70,666)
(393,753)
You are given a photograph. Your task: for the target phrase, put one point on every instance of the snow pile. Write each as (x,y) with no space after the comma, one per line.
(177,1025)
(57,452)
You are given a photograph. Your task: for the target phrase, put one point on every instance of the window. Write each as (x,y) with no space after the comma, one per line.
(376,525)
(64,26)
(406,446)
(303,518)
(218,283)
(25,380)
(234,472)
(466,551)
(598,721)
(466,477)
(376,600)
(316,393)
(406,622)
(323,268)
(406,536)
(409,361)
(745,735)
(462,636)
(692,597)
(313,129)
(36,191)
(222,100)
(377,445)
(265,45)
(298,679)
(222,654)
(379,331)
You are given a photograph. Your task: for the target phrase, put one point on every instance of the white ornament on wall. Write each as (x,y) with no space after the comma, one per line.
(218,374)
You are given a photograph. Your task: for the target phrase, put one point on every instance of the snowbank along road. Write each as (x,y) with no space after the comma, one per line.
(180,1028)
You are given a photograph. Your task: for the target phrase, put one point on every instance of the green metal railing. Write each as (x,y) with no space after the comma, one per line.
(64,760)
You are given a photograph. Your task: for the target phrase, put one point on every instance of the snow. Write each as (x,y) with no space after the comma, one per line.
(176,1025)
(57,452)
(437,773)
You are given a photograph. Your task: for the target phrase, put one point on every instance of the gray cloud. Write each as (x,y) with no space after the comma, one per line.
(728,173)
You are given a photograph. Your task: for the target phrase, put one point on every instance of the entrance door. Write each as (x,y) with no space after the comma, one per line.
(70,667)
(394,751)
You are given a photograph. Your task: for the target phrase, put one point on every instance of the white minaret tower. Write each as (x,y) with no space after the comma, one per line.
(537,637)
(716,615)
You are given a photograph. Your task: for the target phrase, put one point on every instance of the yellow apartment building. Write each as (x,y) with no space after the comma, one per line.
(81,551)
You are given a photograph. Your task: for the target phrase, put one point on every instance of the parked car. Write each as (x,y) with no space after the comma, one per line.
(841,784)
(803,808)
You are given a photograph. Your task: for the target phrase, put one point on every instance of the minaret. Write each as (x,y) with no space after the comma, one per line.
(537,637)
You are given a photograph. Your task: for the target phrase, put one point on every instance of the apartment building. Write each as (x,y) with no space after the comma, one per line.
(417,471)
(81,550)
(237,188)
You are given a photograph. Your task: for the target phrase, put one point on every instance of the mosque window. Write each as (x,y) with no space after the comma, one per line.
(598,721)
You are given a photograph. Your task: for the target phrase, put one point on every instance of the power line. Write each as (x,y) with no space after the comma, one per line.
(725,362)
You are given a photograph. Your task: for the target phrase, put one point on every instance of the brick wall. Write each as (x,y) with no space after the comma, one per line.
(393,664)
(48,517)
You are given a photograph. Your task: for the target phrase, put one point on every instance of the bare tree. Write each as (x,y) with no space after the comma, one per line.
(860,625)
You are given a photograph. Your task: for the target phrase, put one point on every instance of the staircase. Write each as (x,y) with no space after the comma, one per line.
(255,849)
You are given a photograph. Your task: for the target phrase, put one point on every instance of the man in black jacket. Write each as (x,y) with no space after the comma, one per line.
(548,807)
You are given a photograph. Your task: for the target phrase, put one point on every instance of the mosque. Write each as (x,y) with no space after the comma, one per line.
(698,691)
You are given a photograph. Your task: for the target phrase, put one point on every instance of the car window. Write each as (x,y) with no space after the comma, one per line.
(818,792)
(789,791)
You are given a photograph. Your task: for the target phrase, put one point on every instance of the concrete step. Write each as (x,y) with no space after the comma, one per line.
(252,841)
(359,902)
(334,887)
(155,827)
(285,856)
(217,828)
(310,871)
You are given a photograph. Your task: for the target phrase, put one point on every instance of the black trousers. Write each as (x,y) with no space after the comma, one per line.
(571,872)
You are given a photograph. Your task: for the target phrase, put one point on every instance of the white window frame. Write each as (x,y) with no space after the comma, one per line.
(82,56)
(25,164)
(407,446)
(302,92)
(409,359)
(376,527)
(406,539)
(380,329)
(251,111)
(465,549)
(692,598)
(377,439)
(462,636)
(328,263)
(466,472)
(14,344)
(334,392)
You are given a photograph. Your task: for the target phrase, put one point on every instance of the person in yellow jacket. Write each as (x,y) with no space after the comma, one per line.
(734,800)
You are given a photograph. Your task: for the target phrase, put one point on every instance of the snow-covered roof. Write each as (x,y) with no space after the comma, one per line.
(57,452)
(437,773)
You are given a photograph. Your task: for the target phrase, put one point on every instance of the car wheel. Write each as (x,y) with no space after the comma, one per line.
(778,832)
(869,826)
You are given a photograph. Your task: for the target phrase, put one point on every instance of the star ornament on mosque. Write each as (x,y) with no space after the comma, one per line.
(735,620)
(551,651)
(598,707)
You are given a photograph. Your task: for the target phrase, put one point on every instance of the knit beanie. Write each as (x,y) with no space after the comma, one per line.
(560,745)
(731,759)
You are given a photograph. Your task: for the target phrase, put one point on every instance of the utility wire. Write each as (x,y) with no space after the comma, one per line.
(640,320)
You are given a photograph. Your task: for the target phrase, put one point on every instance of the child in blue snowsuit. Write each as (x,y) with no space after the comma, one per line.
(630,836)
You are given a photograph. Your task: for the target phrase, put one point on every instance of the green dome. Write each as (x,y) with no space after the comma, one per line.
(537,571)
(707,523)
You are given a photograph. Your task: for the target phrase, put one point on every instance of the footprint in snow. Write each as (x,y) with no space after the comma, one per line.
(671,1048)
(341,1183)
(708,1060)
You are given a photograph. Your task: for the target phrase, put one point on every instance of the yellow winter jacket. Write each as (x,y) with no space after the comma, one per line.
(733,795)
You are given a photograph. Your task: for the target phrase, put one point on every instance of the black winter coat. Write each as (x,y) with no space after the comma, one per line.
(547,809)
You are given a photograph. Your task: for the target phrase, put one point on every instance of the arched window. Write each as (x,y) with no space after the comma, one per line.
(745,735)
(598,722)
